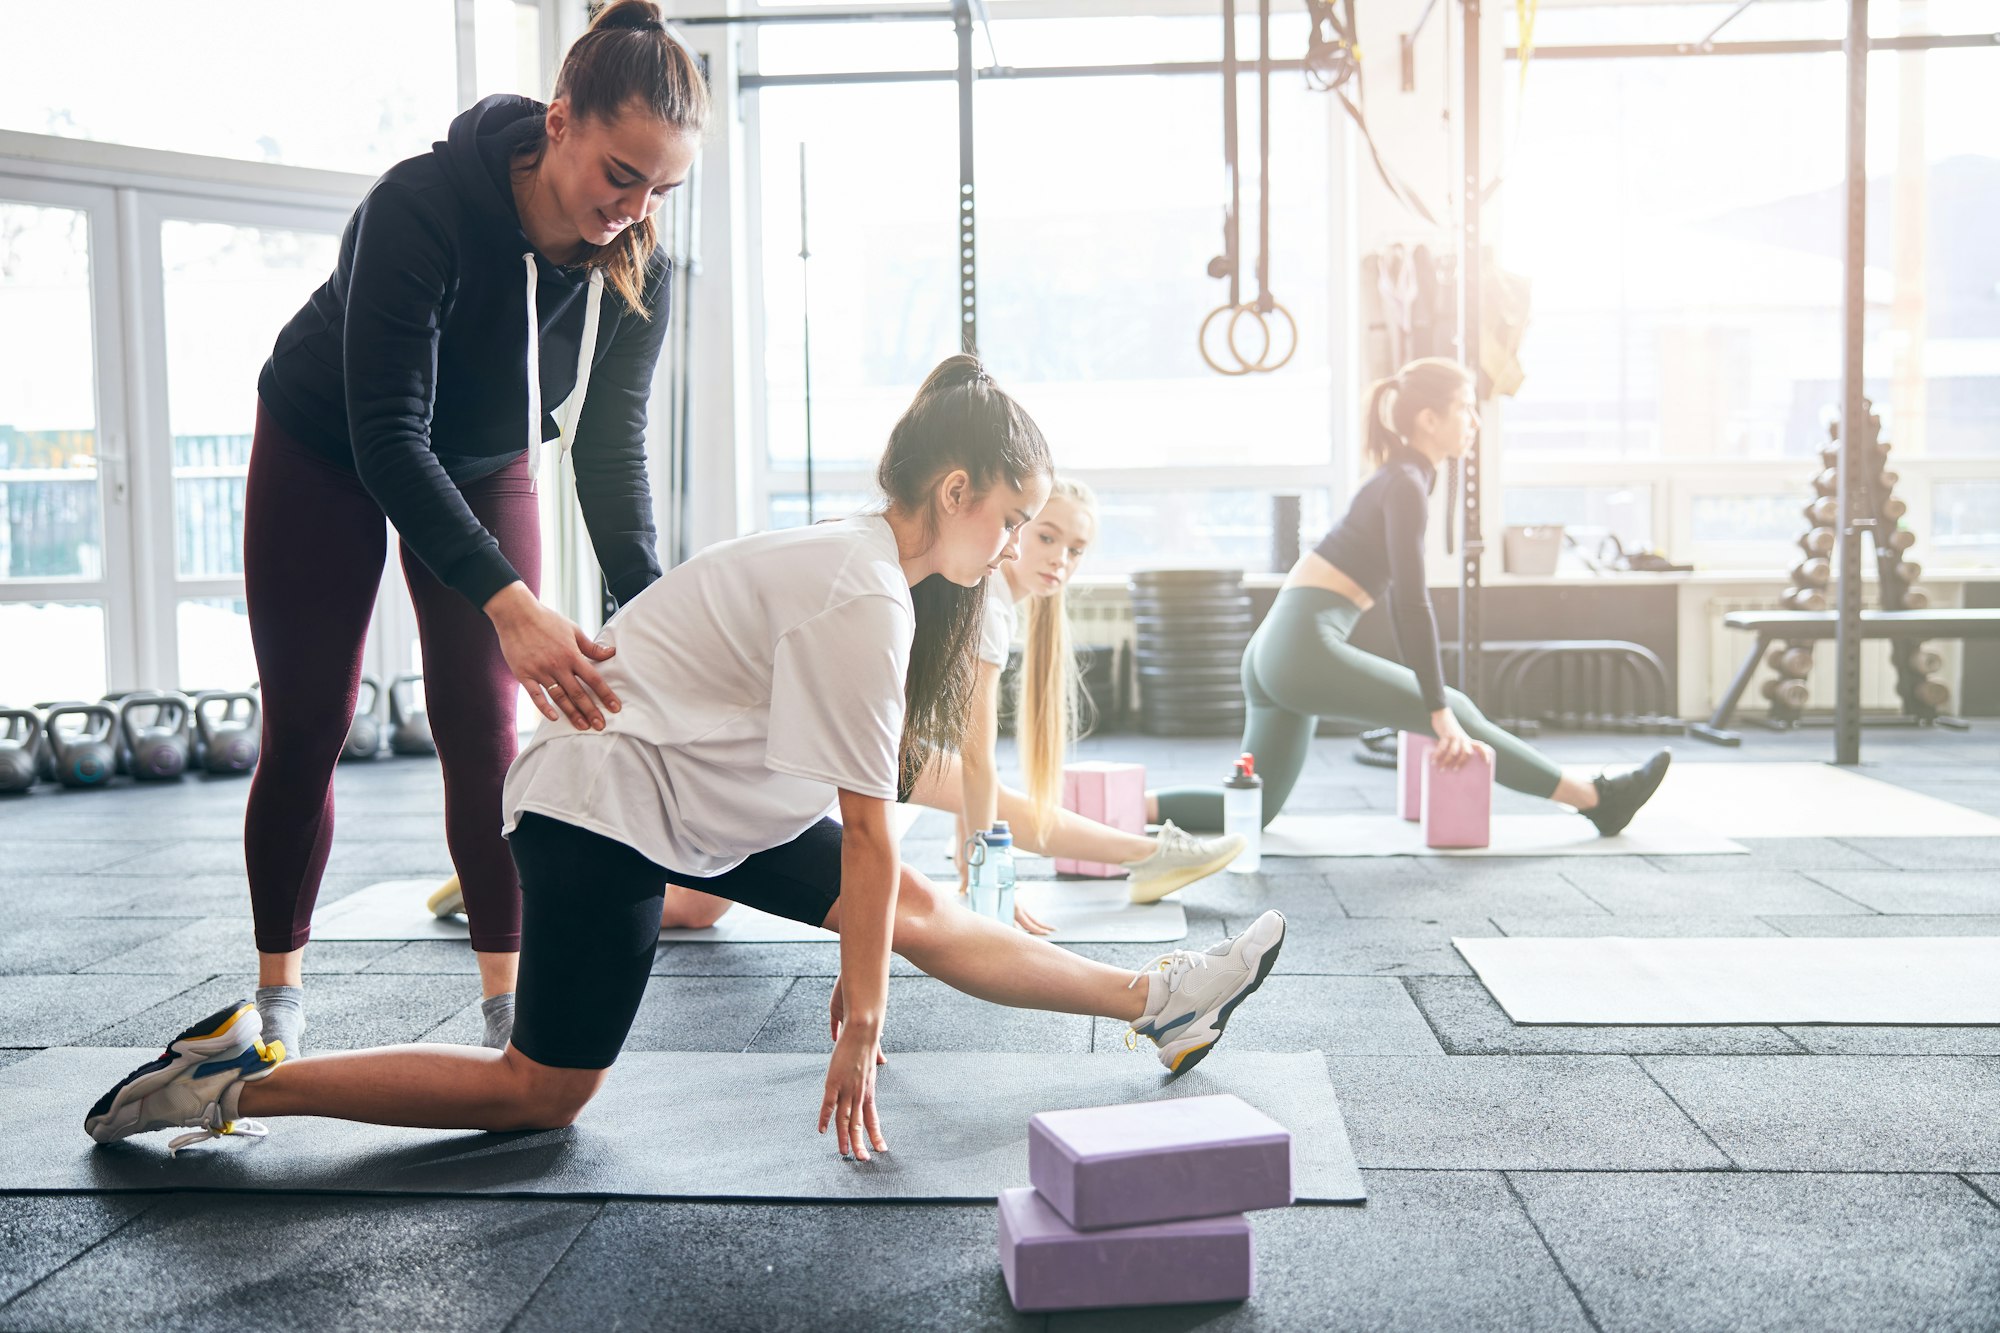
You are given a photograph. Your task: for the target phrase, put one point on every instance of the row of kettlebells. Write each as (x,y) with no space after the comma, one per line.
(389,717)
(156,736)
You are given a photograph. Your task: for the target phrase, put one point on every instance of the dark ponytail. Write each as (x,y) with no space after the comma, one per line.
(626,53)
(960,419)
(1393,403)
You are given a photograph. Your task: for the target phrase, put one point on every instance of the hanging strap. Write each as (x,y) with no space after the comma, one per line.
(572,409)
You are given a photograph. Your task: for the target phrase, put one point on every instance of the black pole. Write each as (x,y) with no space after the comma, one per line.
(968,274)
(1471,633)
(1854,433)
(806,337)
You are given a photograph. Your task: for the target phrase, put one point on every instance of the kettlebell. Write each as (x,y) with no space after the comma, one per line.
(88,755)
(364,734)
(45,754)
(120,745)
(20,749)
(410,726)
(228,723)
(162,749)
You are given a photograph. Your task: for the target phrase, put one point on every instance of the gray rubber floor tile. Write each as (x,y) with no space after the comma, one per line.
(343,1011)
(677,1014)
(1886,927)
(1522,1112)
(1500,868)
(134,822)
(167,895)
(1433,1250)
(198,856)
(1485,893)
(1723,892)
(1933,893)
(743,1268)
(1337,1015)
(426,958)
(1843,1113)
(924,1015)
(202,1262)
(1470,1022)
(1932,853)
(36,854)
(1378,946)
(1600,926)
(1779,854)
(41,1233)
(1882,1040)
(76,943)
(64,1010)
(1296,895)
(1987,1187)
(389,858)
(224,944)
(1756,1251)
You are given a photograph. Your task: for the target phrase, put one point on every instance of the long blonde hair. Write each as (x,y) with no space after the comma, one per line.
(1049,697)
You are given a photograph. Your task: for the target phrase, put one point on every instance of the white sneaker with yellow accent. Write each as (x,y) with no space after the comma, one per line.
(1178,859)
(193,1085)
(1202,990)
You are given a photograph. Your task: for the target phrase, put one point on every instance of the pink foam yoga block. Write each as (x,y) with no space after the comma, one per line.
(1051,1266)
(1124,1166)
(1458,802)
(1411,752)
(1113,794)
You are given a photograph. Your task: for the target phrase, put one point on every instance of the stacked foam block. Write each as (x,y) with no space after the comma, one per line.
(1455,805)
(1113,794)
(1142,1204)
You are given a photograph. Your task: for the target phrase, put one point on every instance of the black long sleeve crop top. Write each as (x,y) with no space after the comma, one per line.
(1379,543)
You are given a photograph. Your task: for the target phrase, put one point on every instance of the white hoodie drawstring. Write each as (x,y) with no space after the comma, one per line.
(572,410)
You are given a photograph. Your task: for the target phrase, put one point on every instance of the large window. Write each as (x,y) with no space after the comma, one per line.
(1681,221)
(1099,206)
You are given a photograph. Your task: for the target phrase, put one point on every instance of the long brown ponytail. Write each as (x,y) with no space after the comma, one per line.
(959,419)
(1393,404)
(626,53)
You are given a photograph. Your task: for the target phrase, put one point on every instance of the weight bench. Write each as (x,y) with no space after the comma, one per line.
(1770,626)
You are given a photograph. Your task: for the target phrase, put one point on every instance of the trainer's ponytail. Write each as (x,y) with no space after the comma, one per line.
(1393,404)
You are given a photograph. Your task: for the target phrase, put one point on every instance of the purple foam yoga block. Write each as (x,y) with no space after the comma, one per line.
(1050,1265)
(1412,751)
(1124,1166)
(1458,802)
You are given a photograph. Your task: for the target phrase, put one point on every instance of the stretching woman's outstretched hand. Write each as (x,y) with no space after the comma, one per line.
(552,658)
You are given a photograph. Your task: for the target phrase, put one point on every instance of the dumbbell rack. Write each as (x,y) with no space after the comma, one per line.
(1924,697)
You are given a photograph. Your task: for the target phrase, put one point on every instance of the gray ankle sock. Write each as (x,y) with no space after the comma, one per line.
(499,1012)
(283,1009)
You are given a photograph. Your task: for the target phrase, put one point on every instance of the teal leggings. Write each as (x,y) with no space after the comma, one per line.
(1300,668)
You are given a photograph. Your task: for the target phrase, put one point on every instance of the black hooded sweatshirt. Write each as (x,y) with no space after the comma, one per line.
(409,365)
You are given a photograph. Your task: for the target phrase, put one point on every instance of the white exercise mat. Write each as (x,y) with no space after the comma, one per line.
(1805,801)
(1953,980)
(1087,913)
(1513,835)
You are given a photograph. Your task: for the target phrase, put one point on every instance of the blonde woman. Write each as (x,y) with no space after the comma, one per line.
(968,784)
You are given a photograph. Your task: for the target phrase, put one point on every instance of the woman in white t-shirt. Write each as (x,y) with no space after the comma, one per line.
(763,682)
(1047,700)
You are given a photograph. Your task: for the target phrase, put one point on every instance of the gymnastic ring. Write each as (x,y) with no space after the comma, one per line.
(1258,364)
(1201,341)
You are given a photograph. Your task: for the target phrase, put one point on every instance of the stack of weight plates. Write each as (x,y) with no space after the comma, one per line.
(1192,625)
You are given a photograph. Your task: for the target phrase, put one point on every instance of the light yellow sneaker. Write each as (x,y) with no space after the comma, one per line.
(448,901)
(1178,860)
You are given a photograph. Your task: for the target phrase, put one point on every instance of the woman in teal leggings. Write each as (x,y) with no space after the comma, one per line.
(1300,667)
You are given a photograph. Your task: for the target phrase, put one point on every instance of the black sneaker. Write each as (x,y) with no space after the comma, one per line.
(1619,798)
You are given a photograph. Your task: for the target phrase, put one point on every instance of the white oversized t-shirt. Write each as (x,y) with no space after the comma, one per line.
(755,680)
(996,631)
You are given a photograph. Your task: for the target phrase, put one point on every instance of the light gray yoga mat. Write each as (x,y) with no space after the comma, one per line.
(1513,835)
(677,1126)
(1082,913)
(1686,982)
(1805,801)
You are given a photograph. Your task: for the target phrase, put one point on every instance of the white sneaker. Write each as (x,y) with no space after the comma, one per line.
(1203,990)
(1178,860)
(447,901)
(192,1084)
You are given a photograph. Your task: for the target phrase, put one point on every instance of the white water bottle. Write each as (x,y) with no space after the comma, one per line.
(1000,870)
(1243,812)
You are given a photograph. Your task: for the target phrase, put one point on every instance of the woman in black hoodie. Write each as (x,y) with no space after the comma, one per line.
(463,324)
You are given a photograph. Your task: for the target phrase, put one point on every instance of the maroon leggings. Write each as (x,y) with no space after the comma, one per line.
(314,544)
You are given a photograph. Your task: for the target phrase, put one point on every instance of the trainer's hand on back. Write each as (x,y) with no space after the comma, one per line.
(1454,747)
(849,1103)
(552,657)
